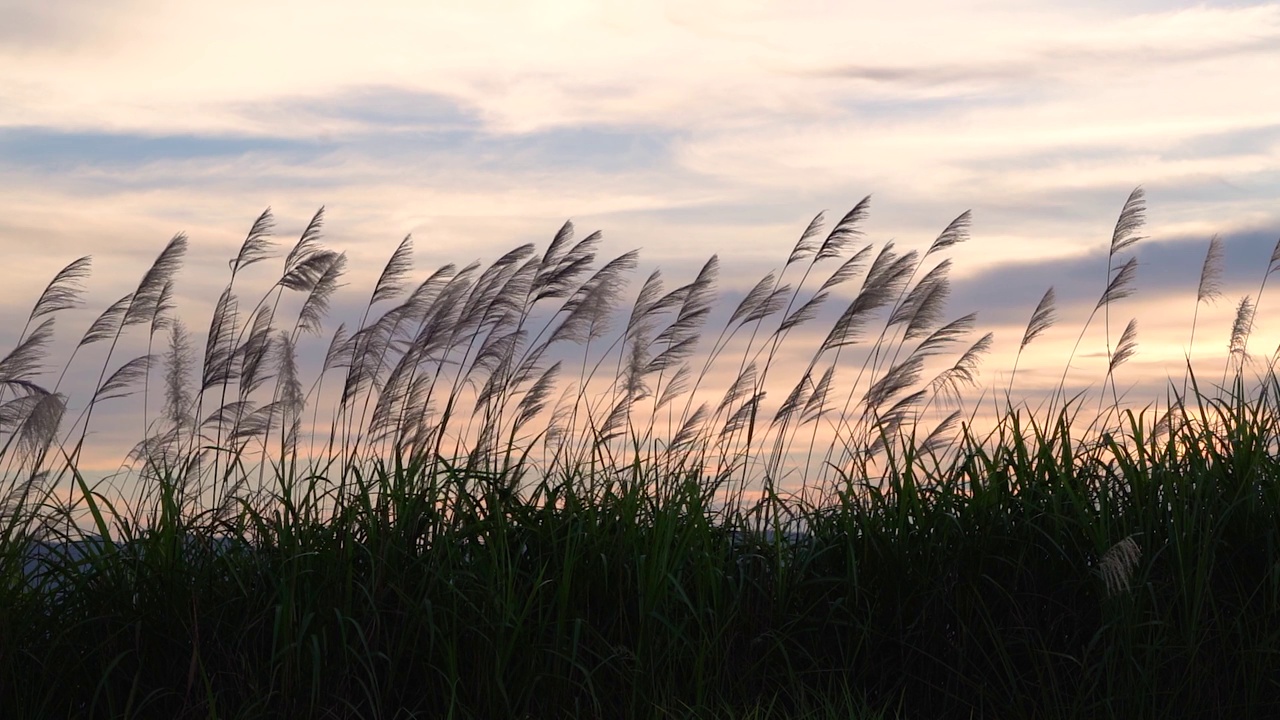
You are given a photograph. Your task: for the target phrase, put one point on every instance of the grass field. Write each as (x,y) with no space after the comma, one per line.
(543,492)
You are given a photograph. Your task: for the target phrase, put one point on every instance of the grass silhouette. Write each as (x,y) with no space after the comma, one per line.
(540,495)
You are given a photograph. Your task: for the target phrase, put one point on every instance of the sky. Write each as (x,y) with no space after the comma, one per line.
(682,129)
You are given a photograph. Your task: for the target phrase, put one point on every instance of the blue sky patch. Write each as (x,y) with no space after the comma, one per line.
(41,148)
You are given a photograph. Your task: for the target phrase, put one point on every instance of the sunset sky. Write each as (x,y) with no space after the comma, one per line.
(683,129)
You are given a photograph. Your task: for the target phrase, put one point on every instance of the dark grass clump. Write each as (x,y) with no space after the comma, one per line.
(540,497)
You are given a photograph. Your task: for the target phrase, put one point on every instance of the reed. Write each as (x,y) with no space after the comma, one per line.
(538,494)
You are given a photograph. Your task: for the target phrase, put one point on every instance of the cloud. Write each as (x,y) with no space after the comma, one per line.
(40,149)
(524,66)
(1168,272)
(31,26)
(682,128)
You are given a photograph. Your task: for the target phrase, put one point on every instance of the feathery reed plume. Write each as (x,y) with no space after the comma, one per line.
(1121,285)
(774,302)
(535,399)
(895,380)
(339,346)
(389,286)
(391,282)
(488,328)
(32,421)
(224,419)
(1125,234)
(23,362)
(839,238)
(1118,563)
(675,352)
(755,304)
(328,267)
(695,304)
(140,306)
(795,400)
(470,333)
(844,231)
(847,269)
(316,272)
(957,231)
(1119,282)
(948,383)
(395,395)
(878,287)
(1208,290)
(805,247)
(557,275)
(689,430)
(832,247)
(307,245)
(919,307)
(648,303)
(886,279)
(805,396)
(803,314)
(941,436)
(177,362)
(680,338)
(254,351)
(107,323)
(922,308)
(117,385)
(161,311)
(742,416)
(816,405)
(586,312)
(310,269)
(434,303)
(744,383)
(257,243)
(1131,219)
(1125,348)
(551,258)
(420,299)
(557,268)
(151,290)
(62,293)
(1210,286)
(615,423)
(889,424)
(218,366)
(1164,425)
(1042,318)
(1240,328)
(492,321)
(248,356)
(158,450)
(434,339)
(946,335)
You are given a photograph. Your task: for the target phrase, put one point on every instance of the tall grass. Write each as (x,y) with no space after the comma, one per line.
(540,494)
